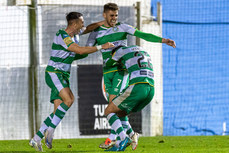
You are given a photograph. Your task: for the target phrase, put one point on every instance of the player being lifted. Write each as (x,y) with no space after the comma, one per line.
(136,95)
(65,50)
(116,32)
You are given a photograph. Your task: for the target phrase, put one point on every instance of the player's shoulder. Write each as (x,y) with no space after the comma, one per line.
(121,23)
(100,28)
(124,24)
(62,32)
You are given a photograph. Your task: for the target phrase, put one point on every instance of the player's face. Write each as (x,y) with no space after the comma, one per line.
(79,25)
(111,17)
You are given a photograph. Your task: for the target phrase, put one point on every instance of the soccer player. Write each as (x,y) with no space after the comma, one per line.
(65,50)
(114,78)
(138,93)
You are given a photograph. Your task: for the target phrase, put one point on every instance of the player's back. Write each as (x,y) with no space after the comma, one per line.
(137,62)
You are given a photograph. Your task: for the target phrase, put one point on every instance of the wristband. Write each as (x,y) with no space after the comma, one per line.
(99,47)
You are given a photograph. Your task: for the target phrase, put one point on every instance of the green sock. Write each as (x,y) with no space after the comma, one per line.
(59,114)
(126,125)
(40,133)
(116,125)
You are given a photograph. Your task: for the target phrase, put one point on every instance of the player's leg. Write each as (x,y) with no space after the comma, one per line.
(133,135)
(129,131)
(62,98)
(62,106)
(124,76)
(47,122)
(111,112)
(107,78)
(68,99)
(116,124)
(115,82)
(129,100)
(36,140)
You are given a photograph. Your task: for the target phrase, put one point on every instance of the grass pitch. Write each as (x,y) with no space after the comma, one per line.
(159,144)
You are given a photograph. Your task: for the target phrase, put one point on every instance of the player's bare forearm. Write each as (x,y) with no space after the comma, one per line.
(88,50)
(93,26)
(169,42)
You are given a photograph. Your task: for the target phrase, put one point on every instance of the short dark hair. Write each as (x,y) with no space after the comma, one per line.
(73,16)
(110,6)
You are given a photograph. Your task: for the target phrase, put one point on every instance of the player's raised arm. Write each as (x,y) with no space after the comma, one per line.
(92,27)
(87,50)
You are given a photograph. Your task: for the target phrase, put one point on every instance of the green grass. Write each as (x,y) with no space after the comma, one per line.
(160,144)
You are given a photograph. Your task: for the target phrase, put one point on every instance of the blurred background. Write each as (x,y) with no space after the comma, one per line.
(191,81)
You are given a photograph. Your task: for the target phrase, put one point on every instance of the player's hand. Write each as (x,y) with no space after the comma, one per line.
(107,45)
(169,42)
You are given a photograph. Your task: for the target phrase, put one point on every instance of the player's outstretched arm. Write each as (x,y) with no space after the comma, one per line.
(93,26)
(87,50)
(169,42)
(153,38)
(147,36)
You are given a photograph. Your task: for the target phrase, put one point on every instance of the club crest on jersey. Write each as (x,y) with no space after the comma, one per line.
(115,29)
(64,81)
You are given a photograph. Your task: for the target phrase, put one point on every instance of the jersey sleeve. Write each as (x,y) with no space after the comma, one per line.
(147,36)
(129,29)
(78,56)
(91,41)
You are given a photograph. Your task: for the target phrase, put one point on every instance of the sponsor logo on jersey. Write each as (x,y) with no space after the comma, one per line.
(143,72)
(67,40)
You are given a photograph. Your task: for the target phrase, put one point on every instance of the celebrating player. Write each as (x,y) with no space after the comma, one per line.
(65,50)
(114,78)
(137,95)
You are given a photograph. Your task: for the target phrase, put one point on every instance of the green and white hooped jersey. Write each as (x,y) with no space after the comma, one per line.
(60,58)
(137,62)
(116,35)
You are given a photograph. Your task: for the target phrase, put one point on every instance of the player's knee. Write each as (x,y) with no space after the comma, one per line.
(122,114)
(69,101)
